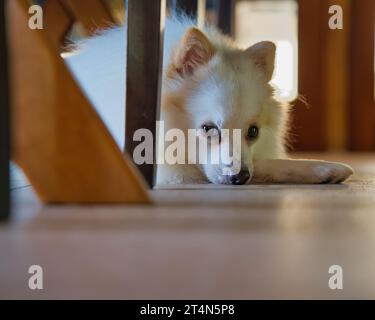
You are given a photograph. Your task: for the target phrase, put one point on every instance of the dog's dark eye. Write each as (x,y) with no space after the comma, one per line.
(253,132)
(211,130)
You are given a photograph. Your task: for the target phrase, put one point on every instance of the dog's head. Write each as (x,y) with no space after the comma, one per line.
(221,87)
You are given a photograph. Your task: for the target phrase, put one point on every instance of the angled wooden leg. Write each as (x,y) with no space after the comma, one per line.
(60,16)
(57,22)
(4,121)
(92,14)
(144,69)
(58,139)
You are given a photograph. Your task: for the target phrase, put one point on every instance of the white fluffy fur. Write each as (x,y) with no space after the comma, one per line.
(232,92)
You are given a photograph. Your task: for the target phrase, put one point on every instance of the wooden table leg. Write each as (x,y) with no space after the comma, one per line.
(4,121)
(144,70)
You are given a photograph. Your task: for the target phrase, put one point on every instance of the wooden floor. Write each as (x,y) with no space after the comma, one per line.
(263,241)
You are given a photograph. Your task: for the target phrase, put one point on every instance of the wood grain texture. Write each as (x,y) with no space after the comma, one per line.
(309,122)
(201,242)
(61,15)
(92,14)
(58,139)
(57,21)
(336,75)
(361,100)
(336,80)
(4,119)
(144,72)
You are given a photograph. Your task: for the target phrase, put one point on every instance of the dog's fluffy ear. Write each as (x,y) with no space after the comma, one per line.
(263,55)
(193,51)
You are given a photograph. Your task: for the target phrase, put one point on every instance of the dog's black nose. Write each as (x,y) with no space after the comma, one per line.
(240,178)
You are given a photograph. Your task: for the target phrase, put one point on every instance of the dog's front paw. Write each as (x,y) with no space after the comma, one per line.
(331,172)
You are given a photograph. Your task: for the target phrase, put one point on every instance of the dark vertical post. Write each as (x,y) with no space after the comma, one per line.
(193,8)
(144,70)
(189,7)
(4,120)
(225,16)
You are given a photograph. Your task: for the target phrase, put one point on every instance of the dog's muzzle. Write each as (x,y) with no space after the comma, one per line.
(241,178)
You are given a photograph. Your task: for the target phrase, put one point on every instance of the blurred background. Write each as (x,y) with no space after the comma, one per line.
(327,75)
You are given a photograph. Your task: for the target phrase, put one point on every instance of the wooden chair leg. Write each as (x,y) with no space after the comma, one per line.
(58,139)
(92,14)
(57,22)
(4,121)
(144,69)
(60,15)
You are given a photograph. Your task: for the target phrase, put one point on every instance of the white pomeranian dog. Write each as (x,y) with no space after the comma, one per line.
(209,84)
